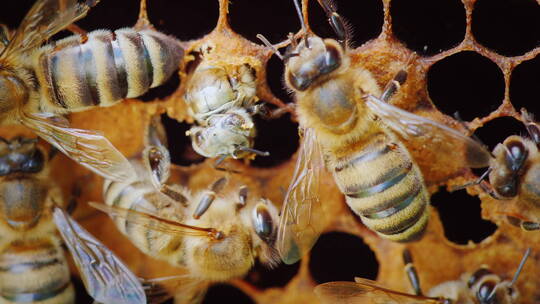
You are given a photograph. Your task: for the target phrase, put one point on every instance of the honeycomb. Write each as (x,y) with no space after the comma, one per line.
(477,57)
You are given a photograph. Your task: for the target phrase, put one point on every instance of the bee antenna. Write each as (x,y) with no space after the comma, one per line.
(298,8)
(268,44)
(516,275)
(254,151)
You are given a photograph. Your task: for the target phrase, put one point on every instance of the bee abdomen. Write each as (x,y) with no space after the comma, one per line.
(385,189)
(106,67)
(138,196)
(34,272)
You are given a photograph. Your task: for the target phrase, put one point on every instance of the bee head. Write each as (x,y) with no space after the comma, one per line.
(230,134)
(310,60)
(20,155)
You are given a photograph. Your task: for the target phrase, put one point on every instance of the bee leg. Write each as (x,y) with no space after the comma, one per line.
(410,270)
(393,86)
(336,21)
(174,194)
(75,29)
(219,161)
(267,114)
(209,197)
(532,127)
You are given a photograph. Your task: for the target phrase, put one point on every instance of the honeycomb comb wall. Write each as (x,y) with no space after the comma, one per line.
(477,57)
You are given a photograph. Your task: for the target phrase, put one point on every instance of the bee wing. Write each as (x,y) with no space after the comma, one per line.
(302,207)
(104,275)
(365,291)
(89,148)
(153,222)
(447,142)
(44,19)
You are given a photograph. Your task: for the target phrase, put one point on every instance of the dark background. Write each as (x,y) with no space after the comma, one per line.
(465,82)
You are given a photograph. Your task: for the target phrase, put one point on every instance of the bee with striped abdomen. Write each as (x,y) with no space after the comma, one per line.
(33,267)
(480,287)
(347,122)
(215,234)
(38,83)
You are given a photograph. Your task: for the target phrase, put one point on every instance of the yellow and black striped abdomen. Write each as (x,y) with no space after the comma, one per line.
(34,271)
(77,73)
(143,197)
(384,187)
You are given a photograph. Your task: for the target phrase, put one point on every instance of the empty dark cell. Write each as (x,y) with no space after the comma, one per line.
(277,136)
(222,293)
(428,27)
(510,27)
(273,19)
(162,91)
(81,295)
(12,12)
(113,15)
(365,19)
(263,277)
(186,20)
(524,84)
(466,82)
(460,216)
(497,130)
(341,256)
(180,148)
(274,76)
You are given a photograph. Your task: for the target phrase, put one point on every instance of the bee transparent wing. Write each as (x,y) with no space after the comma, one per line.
(105,277)
(446,142)
(154,222)
(298,230)
(89,148)
(365,291)
(46,18)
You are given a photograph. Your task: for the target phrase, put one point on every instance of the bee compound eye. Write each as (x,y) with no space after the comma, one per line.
(332,59)
(263,223)
(477,275)
(517,153)
(484,292)
(4,168)
(33,164)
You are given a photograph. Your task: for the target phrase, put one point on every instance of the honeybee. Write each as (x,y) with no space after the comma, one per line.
(480,287)
(350,128)
(514,174)
(215,234)
(39,83)
(221,97)
(33,267)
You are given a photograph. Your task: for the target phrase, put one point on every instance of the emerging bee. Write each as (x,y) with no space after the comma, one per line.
(216,234)
(33,267)
(481,287)
(347,121)
(100,68)
(514,174)
(221,97)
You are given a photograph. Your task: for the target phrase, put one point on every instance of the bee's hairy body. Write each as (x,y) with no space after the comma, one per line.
(370,165)
(101,69)
(33,267)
